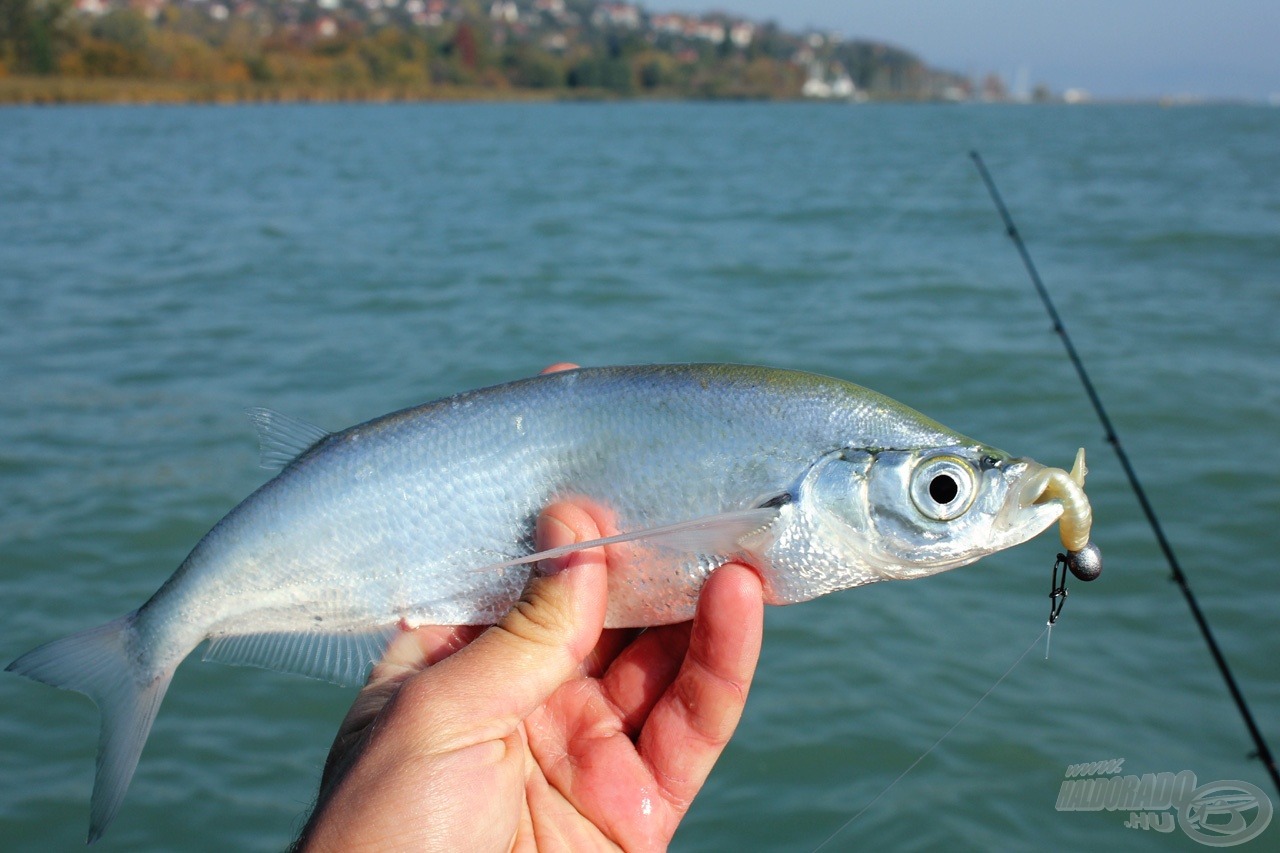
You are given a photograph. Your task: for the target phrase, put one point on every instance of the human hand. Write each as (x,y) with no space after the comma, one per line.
(545,730)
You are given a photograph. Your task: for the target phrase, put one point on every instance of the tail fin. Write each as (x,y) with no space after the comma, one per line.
(100,664)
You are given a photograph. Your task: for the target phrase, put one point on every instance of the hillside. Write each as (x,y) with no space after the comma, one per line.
(181,50)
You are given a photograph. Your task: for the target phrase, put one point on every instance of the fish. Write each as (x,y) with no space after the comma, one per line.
(426,517)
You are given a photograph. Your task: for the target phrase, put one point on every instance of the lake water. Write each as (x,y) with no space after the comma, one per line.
(163,268)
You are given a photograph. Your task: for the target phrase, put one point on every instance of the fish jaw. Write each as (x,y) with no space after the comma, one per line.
(1026,512)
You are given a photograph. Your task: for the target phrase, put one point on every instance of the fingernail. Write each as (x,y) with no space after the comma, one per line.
(553,533)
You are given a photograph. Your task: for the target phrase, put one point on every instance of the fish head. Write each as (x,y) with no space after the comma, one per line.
(899,514)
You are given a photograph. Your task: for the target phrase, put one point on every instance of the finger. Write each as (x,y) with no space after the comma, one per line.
(692,721)
(409,652)
(643,672)
(484,690)
(613,641)
(559,366)
(419,648)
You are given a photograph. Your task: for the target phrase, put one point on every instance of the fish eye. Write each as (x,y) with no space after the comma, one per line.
(943,487)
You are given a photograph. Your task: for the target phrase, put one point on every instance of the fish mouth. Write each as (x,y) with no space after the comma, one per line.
(1039,495)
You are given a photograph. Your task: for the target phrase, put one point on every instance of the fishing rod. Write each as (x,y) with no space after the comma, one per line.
(1261,750)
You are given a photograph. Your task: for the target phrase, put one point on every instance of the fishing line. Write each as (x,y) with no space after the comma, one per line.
(1057,598)
(945,735)
(1261,750)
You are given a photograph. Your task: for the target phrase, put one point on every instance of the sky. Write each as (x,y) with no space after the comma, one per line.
(1112,49)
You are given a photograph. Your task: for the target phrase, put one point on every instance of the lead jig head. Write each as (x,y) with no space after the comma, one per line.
(1086,564)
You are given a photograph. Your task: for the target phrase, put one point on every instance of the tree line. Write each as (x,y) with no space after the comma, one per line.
(317,52)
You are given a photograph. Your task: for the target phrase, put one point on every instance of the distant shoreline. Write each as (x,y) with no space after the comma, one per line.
(23,90)
(52,91)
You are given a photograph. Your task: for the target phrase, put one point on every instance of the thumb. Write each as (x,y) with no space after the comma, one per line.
(483,691)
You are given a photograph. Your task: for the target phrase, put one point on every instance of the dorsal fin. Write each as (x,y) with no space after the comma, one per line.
(282,439)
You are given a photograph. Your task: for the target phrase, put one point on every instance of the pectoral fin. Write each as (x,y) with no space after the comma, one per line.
(722,533)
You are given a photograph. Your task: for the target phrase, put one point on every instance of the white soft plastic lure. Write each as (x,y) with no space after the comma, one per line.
(426,516)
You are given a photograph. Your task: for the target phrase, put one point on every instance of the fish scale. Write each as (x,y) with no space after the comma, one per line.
(426,516)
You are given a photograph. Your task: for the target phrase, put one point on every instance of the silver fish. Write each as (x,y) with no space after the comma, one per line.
(426,516)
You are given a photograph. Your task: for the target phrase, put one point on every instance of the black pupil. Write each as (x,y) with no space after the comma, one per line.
(943,489)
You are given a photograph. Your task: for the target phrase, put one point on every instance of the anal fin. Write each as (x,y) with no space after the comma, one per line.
(341,657)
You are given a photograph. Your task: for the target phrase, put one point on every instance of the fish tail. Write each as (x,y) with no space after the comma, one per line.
(103,664)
